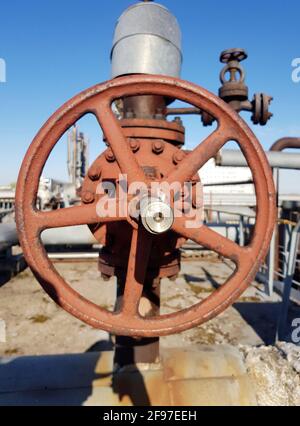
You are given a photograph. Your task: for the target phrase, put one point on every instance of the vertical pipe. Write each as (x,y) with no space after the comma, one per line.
(241,232)
(288,281)
(272,251)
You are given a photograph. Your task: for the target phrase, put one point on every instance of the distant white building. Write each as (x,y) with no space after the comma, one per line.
(7,198)
(227,185)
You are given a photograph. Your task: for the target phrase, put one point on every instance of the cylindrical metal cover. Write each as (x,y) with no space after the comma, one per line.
(147,40)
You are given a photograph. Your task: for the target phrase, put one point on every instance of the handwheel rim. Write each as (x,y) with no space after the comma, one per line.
(60,291)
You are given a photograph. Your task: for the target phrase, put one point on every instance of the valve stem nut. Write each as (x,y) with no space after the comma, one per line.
(88,197)
(157,216)
(158,147)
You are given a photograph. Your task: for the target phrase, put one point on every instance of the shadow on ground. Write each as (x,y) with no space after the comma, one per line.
(263,318)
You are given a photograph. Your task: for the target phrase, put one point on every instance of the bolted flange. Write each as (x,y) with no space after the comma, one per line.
(261,103)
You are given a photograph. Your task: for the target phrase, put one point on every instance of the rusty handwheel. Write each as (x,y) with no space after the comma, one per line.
(31,222)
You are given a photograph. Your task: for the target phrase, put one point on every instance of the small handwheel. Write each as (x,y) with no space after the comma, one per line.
(30,222)
(235,54)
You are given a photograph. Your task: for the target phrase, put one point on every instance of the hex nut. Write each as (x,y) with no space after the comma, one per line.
(109,155)
(158,147)
(178,156)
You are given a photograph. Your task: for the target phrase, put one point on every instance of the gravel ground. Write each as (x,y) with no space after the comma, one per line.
(36,326)
(273,373)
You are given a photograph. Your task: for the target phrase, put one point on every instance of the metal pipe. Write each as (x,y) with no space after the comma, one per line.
(75,235)
(233,183)
(278,146)
(288,281)
(74,256)
(81,235)
(8,235)
(285,143)
(78,235)
(272,249)
(235,158)
(241,232)
(183,111)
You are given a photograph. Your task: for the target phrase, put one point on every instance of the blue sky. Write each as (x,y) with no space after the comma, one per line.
(56,48)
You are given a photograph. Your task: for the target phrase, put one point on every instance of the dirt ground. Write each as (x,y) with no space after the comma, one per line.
(36,326)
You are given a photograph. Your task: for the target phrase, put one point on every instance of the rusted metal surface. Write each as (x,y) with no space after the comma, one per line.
(235,92)
(126,320)
(260,108)
(157,158)
(183,111)
(234,88)
(149,107)
(285,143)
(154,129)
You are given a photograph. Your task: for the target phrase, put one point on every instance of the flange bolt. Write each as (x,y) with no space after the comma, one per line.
(178,157)
(134,145)
(158,147)
(109,155)
(88,197)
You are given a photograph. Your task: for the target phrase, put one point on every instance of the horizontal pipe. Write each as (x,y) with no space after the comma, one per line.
(8,236)
(73,256)
(75,235)
(183,111)
(81,235)
(233,183)
(281,160)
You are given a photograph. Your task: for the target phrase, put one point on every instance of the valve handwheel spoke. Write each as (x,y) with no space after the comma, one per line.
(71,216)
(127,320)
(190,165)
(136,271)
(211,240)
(117,142)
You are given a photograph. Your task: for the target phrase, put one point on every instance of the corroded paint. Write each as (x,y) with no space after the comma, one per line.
(97,100)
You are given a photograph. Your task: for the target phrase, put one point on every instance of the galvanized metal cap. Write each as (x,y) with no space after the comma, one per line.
(157,216)
(147,40)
